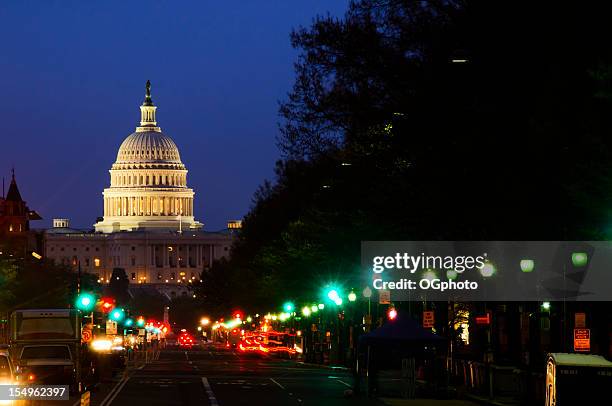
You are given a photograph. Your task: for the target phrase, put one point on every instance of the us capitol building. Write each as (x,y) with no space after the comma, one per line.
(148,228)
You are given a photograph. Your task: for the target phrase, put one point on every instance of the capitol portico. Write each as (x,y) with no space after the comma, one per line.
(148,226)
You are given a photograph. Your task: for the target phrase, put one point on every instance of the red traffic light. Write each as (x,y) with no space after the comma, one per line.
(107,304)
(392,313)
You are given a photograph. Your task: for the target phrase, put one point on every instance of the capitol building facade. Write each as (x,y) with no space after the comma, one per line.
(149,227)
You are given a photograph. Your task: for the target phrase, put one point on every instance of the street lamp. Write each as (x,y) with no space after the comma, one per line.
(487,270)
(205,321)
(333,295)
(352,297)
(306,311)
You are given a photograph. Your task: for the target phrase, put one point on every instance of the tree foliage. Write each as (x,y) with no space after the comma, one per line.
(449,120)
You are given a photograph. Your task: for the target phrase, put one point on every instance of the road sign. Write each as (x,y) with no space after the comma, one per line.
(384,296)
(582,339)
(86,335)
(428,319)
(85,399)
(580,320)
(141,332)
(111,327)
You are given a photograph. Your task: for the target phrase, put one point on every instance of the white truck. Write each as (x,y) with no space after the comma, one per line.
(45,345)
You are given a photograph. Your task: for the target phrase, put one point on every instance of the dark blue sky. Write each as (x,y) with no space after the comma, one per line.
(72,76)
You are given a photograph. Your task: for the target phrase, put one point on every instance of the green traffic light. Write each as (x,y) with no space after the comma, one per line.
(140,322)
(117,314)
(85,302)
(289,307)
(128,322)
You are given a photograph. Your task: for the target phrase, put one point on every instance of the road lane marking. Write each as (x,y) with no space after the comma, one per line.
(344,383)
(278,384)
(211,396)
(114,392)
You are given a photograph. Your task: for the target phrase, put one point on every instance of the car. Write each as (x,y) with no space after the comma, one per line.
(185,340)
(7,373)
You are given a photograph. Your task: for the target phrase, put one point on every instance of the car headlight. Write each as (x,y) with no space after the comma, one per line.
(101,345)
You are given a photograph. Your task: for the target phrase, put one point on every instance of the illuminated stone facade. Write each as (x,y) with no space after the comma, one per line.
(148,182)
(148,228)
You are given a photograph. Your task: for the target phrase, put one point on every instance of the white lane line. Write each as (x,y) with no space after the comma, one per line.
(113,393)
(344,383)
(211,396)
(278,384)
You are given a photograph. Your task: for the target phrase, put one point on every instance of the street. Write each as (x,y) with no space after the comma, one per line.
(219,376)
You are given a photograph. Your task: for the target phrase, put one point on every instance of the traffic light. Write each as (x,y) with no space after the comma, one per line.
(107,304)
(392,313)
(140,322)
(117,314)
(128,322)
(85,302)
(288,307)
(306,311)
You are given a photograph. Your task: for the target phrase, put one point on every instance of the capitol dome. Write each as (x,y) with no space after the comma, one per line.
(148,147)
(148,187)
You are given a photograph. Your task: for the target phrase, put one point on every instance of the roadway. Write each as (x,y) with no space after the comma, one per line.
(220,377)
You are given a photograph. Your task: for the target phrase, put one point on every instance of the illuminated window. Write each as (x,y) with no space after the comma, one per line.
(97,262)
(10,227)
(133,275)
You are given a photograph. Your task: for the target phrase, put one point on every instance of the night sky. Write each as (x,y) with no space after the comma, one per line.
(72,76)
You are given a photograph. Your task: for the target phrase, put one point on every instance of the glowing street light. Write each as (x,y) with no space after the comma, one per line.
(527,265)
(487,270)
(314,308)
(205,321)
(352,297)
(306,311)
(580,258)
(333,295)
(321,306)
